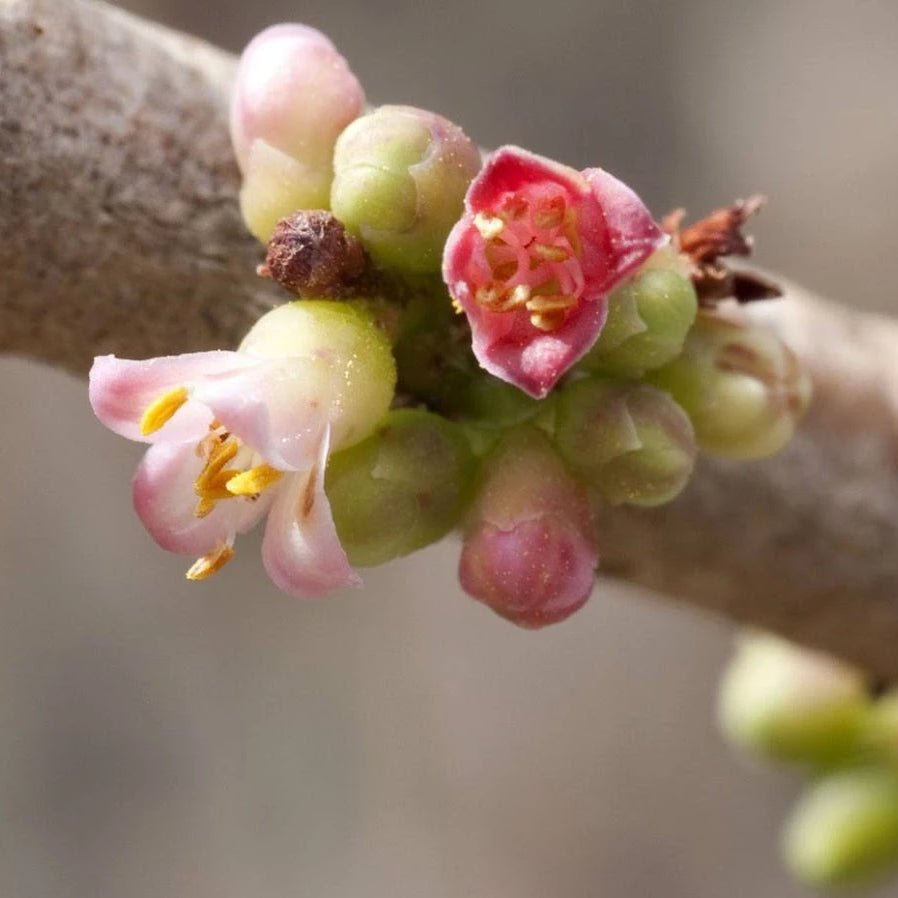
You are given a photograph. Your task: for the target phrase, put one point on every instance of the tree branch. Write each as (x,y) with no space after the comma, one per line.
(119,232)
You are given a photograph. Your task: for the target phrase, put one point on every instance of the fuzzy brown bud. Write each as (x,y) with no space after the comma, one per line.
(311,255)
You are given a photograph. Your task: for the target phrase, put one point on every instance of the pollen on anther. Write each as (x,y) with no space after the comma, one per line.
(161,410)
(490,227)
(209,564)
(253,481)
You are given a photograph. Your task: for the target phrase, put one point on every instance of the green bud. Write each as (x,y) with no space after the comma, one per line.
(401,489)
(844,830)
(742,387)
(792,704)
(648,319)
(631,442)
(400,176)
(881,730)
(355,374)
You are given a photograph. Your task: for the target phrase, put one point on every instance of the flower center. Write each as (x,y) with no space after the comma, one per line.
(532,255)
(230,470)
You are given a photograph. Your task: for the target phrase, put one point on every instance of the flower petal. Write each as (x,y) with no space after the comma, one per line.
(121,390)
(164,500)
(629,234)
(277,407)
(510,168)
(301,550)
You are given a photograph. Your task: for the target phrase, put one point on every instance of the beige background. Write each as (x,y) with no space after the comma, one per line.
(165,739)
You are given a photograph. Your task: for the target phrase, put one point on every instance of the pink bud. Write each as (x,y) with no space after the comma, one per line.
(294,95)
(295,92)
(529,551)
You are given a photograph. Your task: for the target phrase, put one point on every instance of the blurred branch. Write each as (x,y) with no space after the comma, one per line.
(119,232)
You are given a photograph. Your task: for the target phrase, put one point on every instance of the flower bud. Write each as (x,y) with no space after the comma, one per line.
(791,704)
(529,548)
(742,387)
(631,442)
(401,489)
(844,830)
(648,319)
(345,338)
(400,176)
(293,96)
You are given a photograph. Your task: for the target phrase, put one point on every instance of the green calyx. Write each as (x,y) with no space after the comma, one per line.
(648,320)
(402,488)
(629,441)
(743,388)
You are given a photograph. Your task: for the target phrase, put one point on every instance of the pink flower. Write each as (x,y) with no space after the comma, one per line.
(238,435)
(529,551)
(534,257)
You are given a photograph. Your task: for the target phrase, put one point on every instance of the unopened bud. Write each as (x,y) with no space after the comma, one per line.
(356,374)
(294,95)
(844,829)
(400,489)
(743,388)
(631,442)
(792,704)
(648,319)
(529,548)
(400,176)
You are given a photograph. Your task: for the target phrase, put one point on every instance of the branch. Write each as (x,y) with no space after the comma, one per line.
(119,232)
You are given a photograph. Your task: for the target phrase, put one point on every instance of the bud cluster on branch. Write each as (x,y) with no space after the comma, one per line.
(493,346)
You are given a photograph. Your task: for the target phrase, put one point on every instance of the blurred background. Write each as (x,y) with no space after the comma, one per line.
(161,738)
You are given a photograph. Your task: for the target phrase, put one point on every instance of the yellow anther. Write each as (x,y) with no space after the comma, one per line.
(253,481)
(489,226)
(203,507)
(515,299)
(161,410)
(550,303)
(219,456)
(548,321)
(488,296)
(549,253)
(209,564)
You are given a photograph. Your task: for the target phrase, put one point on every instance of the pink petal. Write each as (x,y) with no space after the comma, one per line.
(301,550)
(630,234)
(121,390)
(164,500)
(510,168)
(275,407)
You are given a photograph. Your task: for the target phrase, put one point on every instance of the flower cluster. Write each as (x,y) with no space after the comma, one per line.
(495,346)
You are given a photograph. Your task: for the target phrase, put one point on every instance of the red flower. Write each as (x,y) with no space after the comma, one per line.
(534,257)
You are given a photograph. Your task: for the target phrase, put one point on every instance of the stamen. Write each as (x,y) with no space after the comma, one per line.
(550,303)
(518,297)
(207,565)
(253,481)
(550,214)
(203,508)
(549,253)
(220,455)
(548,321)
(161,410)
(490,227)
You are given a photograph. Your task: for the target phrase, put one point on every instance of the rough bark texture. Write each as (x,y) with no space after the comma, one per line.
(118,225)
(119,232)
